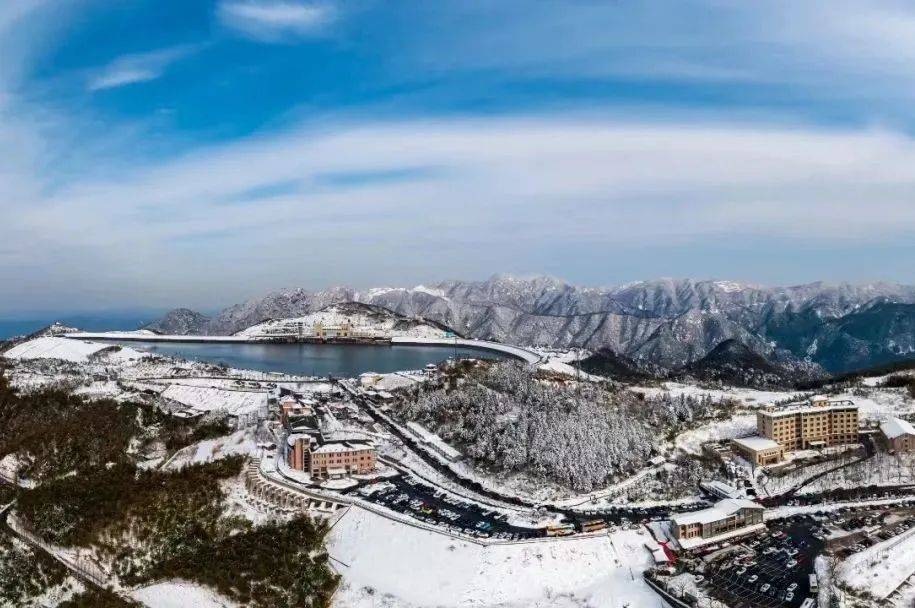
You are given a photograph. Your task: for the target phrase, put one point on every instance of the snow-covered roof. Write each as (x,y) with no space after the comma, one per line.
(340,448)
(296,436)
(721,489)
(756,443)
(790,410)
(896,427)
(722,510)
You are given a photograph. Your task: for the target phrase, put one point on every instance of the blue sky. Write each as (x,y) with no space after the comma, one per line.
(163,153)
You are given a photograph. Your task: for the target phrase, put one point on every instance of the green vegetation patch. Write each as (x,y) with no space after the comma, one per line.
(112,501)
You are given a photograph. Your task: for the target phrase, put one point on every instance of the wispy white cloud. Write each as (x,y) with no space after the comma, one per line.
(548,182)
(135,68)
(447,197)
(820,48)
(271,20)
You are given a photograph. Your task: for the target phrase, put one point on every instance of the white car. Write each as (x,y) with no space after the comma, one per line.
(754,578)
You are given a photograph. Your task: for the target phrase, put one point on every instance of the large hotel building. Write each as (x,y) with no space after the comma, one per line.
(817,424)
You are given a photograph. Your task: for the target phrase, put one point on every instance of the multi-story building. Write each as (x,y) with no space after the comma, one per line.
(334,460)
(729,517)
(816,424)
(329,461)
(298,454)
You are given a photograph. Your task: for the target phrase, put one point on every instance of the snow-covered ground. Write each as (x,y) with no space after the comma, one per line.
(180,594)
(881,470)
(879,570)
(239,442)
(206,399)
(737,426)
(393,381)
(48,347)
(748,397)
(564,363)
(395,565)
(880,403)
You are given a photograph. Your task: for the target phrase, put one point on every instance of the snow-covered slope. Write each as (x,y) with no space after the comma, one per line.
(388,563)
(64,349)
(358,316)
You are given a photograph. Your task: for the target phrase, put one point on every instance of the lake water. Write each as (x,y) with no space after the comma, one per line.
(340,360)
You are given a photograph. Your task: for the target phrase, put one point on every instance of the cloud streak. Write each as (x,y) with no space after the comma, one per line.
(136,68)
(274,21)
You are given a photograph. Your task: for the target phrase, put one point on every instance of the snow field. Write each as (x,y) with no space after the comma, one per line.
(240,442)
(180,594)
(75,351)
(205,398)
(879,570)
(391,564)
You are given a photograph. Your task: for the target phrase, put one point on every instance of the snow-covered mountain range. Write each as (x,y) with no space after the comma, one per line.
(669,322)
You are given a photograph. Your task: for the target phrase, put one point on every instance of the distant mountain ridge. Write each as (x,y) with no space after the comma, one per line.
(667,322)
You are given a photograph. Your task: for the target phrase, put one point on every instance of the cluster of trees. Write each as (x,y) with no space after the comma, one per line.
(906,381)
(109,503)
(94,598)
(25,573)
(56,433)
(580,436)
(156,526)
(276,565)
(177,433)
(151,525)
(676,481)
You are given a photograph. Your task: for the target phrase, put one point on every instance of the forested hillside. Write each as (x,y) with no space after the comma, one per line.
(580,437)
(82,457)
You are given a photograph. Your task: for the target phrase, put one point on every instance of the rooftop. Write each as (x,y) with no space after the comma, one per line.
(756,443)
(722,510)
(896,427)
(339,448)
(798,408)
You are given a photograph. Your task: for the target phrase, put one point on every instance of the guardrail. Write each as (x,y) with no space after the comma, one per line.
(82,567)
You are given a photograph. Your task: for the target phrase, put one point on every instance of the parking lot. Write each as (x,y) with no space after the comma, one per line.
(771,569)
(622,516)
(435,507)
